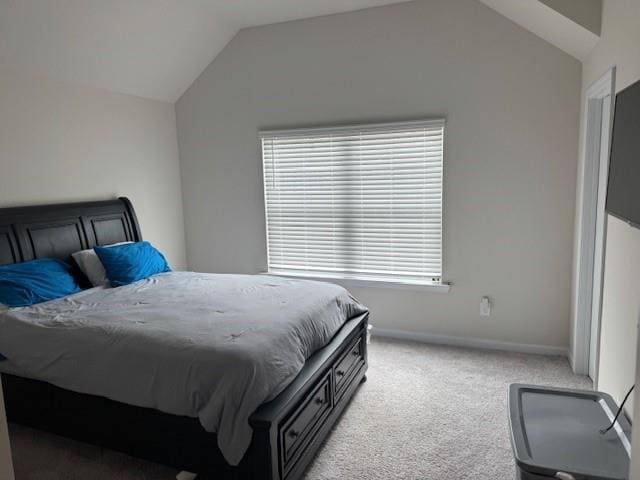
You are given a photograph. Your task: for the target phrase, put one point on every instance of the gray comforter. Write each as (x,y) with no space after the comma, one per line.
(203,345)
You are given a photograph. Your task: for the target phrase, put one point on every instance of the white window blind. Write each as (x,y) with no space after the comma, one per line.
(361,202)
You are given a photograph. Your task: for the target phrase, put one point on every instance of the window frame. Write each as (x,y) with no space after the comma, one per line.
(436,285)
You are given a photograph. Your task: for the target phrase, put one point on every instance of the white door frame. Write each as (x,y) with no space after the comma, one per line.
(597,118)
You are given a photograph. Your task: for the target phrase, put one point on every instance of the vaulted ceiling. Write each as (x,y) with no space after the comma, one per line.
(570,25)
(156,48)
(149,48)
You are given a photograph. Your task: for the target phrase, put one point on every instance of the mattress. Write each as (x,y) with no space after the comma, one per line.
(209,346)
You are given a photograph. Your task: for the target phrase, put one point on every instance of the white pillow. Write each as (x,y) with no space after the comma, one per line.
(91,266)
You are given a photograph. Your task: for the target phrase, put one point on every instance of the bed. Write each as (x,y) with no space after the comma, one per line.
(287,430)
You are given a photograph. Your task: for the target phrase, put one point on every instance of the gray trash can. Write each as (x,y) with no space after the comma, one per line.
(555,433)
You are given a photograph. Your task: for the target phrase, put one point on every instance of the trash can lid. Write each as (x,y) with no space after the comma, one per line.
(558,430)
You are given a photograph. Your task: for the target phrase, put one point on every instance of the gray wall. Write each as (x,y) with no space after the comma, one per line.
(60,142)
(512,105)
(619,47)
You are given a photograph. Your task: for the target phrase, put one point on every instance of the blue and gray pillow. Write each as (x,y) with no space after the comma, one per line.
(130,262)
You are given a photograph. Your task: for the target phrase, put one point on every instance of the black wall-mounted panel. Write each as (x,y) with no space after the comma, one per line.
(623,192)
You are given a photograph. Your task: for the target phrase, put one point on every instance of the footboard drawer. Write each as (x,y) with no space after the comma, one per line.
(350,362)
(300,428)
(289,430)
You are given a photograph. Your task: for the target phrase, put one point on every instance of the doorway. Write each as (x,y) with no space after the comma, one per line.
(598,111)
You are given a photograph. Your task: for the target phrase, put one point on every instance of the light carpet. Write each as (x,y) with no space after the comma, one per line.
(426,412)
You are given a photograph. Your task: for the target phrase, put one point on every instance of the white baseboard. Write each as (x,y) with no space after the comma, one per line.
(470,342)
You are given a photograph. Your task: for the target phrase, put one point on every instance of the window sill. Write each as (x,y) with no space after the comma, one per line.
(435,287)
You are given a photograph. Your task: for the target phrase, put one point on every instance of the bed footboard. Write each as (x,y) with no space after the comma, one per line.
(288,431)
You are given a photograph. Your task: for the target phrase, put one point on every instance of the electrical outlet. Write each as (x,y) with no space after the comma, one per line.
(485,307)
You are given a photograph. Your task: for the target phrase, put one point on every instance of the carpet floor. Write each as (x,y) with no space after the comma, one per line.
(426,412)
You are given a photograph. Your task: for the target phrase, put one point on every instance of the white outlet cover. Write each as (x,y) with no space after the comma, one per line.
(485,307)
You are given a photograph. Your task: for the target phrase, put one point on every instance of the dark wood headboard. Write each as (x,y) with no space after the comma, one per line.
(56,231)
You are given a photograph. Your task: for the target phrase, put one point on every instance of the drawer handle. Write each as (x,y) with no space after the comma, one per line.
(319,401)
(294,434)
(340,373)
(564,476)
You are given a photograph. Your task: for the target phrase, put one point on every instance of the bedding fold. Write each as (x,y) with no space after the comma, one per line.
(210,346)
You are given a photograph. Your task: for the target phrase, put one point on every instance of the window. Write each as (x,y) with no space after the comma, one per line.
(361,202)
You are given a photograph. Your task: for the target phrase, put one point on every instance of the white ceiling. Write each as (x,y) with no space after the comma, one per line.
(157,48)
(149,48)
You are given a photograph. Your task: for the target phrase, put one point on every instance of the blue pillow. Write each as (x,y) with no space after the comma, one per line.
(27,283)
(131,262)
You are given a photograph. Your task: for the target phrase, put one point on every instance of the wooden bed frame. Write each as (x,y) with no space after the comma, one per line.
(288,431)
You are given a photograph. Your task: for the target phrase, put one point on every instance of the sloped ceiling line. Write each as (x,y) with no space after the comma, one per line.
(553,25)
